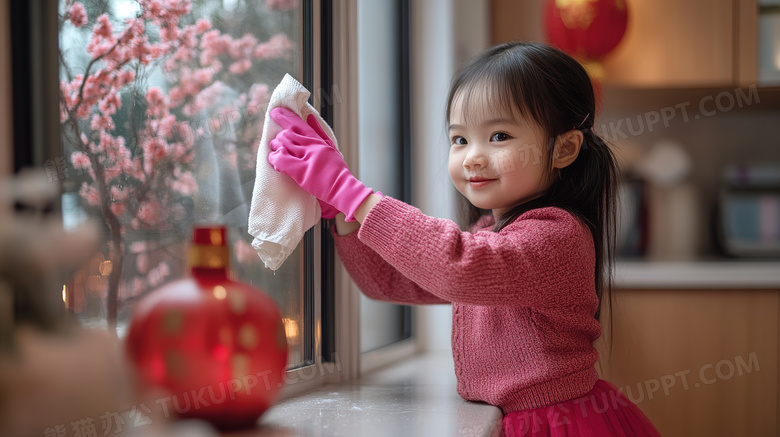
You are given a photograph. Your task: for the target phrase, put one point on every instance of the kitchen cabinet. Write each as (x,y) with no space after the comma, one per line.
(668,43)
(698,362)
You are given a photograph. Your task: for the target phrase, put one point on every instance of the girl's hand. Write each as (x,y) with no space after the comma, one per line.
(343,227)
(303,151)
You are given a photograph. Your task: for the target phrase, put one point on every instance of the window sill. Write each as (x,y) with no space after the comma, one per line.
(414,397)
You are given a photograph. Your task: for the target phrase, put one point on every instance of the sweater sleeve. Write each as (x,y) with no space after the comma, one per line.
(544,258)
(375,277)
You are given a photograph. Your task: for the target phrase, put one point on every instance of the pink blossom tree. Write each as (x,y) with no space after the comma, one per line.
(134,142)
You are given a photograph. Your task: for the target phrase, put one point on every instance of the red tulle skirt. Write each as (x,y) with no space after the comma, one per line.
(602,412)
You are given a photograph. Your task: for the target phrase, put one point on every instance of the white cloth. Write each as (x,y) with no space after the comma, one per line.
(281,211)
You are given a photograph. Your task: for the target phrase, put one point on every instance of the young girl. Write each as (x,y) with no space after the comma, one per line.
(526,283)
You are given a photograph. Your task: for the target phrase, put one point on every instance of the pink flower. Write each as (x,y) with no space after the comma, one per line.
(182,134)
(101,122)
(158,274)
(281,5)
(165,124)
(163,269)
(83,112)
(158,50)
(118,208)
(278,46)
(103,27)
(89,194)
(184,54)
(155,149)
(138,247)
(142,263)
(63,113)
(80,160)
(78,15)
(152,213)
(214,43)
(205,99)
(136,169)
(157,102)
(241,48)
(189,37)
(118,194)
(176,95)
(125,76)
(203,76)
(138,286)
(258,95)
(202,25)
(108,144)
(241,66)
(110,103)
(185,183)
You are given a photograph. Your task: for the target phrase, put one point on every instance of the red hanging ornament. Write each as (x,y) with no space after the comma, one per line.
(216,345)
(586,29)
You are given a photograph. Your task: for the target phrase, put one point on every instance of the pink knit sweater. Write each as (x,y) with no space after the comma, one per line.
(522,299)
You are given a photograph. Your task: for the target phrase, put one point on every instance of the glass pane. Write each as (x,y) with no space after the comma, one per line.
(381,323)
(162,105)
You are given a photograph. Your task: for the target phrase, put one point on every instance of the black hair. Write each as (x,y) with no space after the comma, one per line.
(544,84)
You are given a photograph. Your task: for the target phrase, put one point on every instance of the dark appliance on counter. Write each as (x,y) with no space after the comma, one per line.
(748,218)
(633,218)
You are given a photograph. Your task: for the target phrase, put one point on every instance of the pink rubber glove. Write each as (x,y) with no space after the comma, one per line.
(303,151)
(328,211)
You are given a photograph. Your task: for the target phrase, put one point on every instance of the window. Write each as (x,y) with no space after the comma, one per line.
(161,111)
(147,115)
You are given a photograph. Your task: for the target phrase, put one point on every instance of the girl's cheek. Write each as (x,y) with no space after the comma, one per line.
(455,167)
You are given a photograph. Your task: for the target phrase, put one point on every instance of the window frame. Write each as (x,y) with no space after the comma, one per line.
(6,85)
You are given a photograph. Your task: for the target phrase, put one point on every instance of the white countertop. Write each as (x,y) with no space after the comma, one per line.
(414,398)
(727,274)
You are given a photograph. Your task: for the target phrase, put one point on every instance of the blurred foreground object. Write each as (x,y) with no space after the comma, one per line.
(36,254)
(56,379)
(216,346)
(50,372)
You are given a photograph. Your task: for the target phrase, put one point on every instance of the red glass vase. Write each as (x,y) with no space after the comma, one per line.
(217,346)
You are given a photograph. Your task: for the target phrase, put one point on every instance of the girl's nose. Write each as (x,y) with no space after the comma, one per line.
(475,161)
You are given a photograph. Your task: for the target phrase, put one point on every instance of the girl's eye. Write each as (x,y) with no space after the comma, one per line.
(499,136)
(459,141)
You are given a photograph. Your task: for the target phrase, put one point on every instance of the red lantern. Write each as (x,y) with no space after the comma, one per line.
(586,29)
(217,346)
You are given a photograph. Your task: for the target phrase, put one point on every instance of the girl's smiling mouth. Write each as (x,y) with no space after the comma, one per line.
(477,182)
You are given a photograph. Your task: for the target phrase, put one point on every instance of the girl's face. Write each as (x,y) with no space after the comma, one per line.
(497,160)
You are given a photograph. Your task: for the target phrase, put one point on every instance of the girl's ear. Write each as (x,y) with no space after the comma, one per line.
(567,148)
